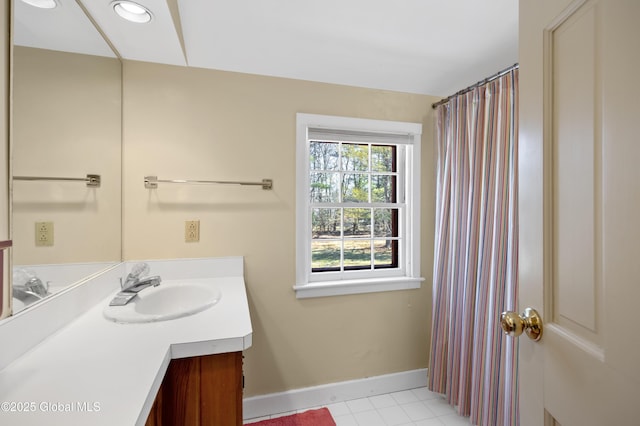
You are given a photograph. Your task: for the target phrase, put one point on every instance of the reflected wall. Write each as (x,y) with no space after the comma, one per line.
(66,123)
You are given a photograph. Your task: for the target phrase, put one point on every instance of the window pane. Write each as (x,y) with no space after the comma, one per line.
(383,189)
(355,188)
(325,223)
(323,155)
(357,222)
(355,157)
(325,254)
(357,254)
(324,187)
(383,158)
(353,238)
(384,253)
(385,222)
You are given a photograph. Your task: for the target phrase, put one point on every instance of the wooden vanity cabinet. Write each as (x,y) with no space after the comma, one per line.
(204,390)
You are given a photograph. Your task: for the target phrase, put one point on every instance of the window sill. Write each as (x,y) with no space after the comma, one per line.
(344,287)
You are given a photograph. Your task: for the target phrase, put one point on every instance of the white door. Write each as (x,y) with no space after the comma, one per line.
(579,211)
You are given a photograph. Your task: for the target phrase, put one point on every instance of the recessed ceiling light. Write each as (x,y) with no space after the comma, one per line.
(42,4)
(132,11)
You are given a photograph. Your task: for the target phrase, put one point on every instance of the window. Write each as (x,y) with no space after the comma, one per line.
(358,199)
(354,208)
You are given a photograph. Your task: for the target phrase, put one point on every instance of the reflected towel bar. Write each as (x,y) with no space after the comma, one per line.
(92,181)
(151,182)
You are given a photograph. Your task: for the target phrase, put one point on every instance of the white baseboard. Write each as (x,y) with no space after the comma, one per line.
(298,399)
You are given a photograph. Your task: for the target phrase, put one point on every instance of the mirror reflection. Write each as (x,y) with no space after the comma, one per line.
(66,118)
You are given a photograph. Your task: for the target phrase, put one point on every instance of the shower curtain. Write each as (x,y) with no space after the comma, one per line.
(476,252)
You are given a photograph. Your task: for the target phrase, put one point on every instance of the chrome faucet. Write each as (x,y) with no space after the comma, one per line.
(133,284)
(19,292)
(141,284)
(31,291)
(35,285)
(24,295)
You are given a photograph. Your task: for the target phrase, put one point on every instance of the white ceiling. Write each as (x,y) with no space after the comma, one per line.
(433,47)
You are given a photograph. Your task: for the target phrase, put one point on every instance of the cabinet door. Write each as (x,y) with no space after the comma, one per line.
(196,391)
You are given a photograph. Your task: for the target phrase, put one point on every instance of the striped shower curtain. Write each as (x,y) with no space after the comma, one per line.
(476,252)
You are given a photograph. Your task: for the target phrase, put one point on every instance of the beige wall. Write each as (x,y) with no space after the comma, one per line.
(66,122)
(5,290)
(185,123)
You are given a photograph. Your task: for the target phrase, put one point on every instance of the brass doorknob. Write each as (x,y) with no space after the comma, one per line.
(530,322)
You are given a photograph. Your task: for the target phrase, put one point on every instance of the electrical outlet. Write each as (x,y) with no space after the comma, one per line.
(44,234)
(192,231)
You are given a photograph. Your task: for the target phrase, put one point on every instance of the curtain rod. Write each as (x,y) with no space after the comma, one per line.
(478,84)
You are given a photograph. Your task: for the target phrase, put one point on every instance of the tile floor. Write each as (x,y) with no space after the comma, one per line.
(415,407)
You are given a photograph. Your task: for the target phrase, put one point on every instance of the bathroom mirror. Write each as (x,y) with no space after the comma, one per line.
(66,124)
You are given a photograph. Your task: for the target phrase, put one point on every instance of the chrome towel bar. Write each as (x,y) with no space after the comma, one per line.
(151,182)
(92,181)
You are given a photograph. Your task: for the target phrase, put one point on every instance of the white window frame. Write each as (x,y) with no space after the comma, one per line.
(407,275)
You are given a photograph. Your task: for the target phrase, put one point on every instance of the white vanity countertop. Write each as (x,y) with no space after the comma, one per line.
(97,372)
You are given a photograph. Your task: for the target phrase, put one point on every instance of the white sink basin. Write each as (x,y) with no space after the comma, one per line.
(170,300)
